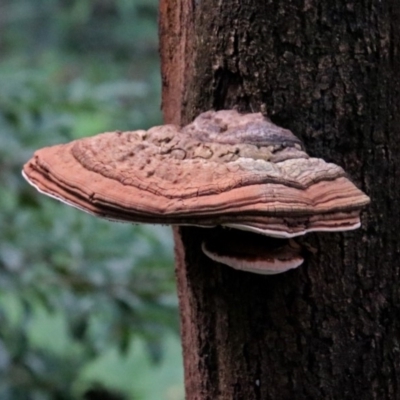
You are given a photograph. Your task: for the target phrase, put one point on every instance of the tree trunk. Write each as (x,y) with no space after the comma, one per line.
(329,70)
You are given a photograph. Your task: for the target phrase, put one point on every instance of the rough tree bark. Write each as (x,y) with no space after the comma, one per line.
(329,70)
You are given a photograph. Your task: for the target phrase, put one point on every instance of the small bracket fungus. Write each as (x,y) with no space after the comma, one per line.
(252,252)
(224,169)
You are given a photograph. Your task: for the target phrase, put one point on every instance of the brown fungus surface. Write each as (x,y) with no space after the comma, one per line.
(253,253)
(225,168)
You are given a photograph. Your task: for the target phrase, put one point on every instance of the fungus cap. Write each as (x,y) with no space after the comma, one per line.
(223,169)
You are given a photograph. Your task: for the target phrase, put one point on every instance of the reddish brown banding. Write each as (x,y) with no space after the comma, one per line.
(223,169)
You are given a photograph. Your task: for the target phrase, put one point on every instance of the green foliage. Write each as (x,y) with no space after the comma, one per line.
(82,301)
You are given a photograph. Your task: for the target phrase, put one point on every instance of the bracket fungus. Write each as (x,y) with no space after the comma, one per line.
(224,169)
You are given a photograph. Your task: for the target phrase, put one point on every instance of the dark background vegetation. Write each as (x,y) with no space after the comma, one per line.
(86,306)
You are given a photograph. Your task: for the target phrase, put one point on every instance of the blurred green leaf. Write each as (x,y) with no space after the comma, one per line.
(145,380)
(73,288)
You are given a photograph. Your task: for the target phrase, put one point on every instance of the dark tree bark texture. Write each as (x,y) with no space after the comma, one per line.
(329,70)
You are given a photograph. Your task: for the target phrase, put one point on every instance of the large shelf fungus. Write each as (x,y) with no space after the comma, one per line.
(224,169)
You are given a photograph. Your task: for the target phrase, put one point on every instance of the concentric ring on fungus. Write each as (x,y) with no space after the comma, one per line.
(224,169)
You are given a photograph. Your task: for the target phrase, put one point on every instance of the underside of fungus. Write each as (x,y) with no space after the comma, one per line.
(252,252)
(224,169)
